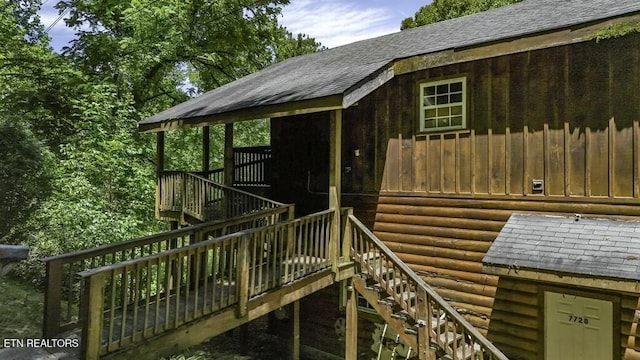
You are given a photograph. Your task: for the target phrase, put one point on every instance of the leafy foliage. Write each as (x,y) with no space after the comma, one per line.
(440,10)
(617,30)
(153,48)
(24,177)
(36,83)
(74,171)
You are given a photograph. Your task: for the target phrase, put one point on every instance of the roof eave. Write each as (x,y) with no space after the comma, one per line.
(326,103)
(536,41)
(554,277)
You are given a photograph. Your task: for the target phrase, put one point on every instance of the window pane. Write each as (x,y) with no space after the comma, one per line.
(443,111)
(443,89)
(430,124)
(443,99)
(443,105)
(444,122)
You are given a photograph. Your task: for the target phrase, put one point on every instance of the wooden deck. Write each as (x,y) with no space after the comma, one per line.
(212,296)
(130,294)
(150,297)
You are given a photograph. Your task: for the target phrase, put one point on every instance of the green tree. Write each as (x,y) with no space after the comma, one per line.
(440,10)
(75,114)
(154,48)
(24,178)
(36,84)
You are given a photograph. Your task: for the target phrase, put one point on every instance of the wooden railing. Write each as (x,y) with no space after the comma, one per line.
(437,319)
(203,199)
(130,301)
(62,294)
(251,167)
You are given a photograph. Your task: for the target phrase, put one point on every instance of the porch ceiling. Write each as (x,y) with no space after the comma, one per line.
(339,77)
(535,246)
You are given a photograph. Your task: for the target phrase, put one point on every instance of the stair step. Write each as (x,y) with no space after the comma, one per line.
(466,352)
(410,331)
(375,288)
(448,338)
(371,256)
(400,286)
(437,322)
(384,273)
(407,296)
(402,315)
(386,302)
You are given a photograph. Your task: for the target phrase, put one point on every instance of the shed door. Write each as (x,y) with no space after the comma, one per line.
(576,327)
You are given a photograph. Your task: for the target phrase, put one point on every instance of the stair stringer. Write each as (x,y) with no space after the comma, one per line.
(397,324)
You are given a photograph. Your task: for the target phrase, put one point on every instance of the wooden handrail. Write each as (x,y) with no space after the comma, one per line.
(162,291)
(219,239)
(250,167)
(189,193)
(379,261)
(273,202)
(62,290)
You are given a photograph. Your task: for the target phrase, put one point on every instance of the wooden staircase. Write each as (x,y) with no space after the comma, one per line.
(448,340)
(422,319)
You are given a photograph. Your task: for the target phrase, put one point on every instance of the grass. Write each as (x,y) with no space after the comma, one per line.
(20,309)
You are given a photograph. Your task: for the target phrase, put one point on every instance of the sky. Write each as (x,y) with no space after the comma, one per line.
(331,22)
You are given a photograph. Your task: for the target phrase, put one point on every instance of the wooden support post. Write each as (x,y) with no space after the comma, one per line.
(351,338)
(290,246)
(159,170)
(206,159)
(295,332)
(335,169)
(93,309)
(228,155)
(424,326)
(346,235)
(173,244)
(229,169)
(206,147)
(52,298)
(242,282)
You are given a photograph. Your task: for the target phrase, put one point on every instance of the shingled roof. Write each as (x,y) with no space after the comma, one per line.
(592,247)
(343,70)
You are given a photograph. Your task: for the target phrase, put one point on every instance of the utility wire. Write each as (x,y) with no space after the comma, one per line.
(62,15)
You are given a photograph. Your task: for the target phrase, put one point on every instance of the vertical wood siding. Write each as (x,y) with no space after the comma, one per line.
(566,115)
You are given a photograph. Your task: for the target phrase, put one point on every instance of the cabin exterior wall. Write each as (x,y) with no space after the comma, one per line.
(566,115)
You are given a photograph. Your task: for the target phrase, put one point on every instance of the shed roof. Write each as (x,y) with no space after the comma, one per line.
(591,247)
(343,70)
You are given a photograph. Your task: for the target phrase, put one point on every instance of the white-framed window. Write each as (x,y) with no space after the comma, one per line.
(443,105)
